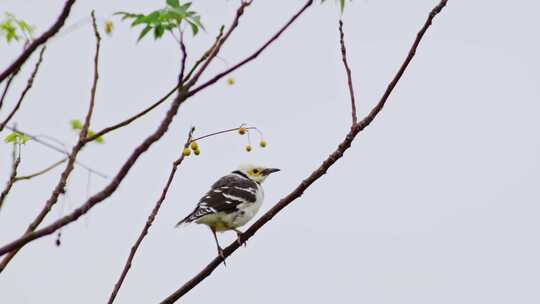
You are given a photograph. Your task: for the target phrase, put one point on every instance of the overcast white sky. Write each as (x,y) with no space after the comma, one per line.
(436,202)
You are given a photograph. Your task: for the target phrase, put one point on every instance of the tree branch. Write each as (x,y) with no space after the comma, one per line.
(40,172)
(6,88)
(149,222)
(11,181)
(252,56)
(38,41)
(205,54)
(132,118)
(315,175)
(26,89)
(60,186)
(215,50)
(348,72)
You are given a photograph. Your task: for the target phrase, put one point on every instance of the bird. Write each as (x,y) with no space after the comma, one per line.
(231,202)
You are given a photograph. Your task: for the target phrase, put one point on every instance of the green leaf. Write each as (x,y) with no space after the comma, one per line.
(17,137)
(144,32)
(194,27)
(173,3)
(158,31)
(11,138)
(98,139)
(76,124)
(167,19)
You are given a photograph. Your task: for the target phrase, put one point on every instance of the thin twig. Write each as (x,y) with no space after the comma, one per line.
(26,89)
(38,41)
(224,131)
(149,222)
(11,181)
(205,54)
(252,56)
(40,172)
(314,176)
(132,118)
(59,150)
(60,186)
(215,50)
(184,57)
(348,72)
(6,88)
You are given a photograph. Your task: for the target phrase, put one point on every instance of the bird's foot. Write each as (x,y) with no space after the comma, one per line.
(239,238)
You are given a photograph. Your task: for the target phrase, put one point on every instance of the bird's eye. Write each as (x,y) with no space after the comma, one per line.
(255,171)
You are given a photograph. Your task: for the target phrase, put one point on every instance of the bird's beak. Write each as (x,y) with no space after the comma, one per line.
(269,171)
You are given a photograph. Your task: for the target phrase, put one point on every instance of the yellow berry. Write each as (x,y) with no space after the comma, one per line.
(242,131)
(194,145)
(231,81)
(109,27)
(197,152)
(186,152)
(248,148)
(263,143)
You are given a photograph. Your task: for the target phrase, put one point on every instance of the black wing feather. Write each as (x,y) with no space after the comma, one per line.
(224,196)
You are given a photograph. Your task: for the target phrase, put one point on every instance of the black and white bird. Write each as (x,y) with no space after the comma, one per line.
(231,202)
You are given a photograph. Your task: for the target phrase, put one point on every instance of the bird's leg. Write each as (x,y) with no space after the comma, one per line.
(220,250)
(239,237)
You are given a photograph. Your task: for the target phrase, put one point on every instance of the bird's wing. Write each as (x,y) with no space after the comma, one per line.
(225,196)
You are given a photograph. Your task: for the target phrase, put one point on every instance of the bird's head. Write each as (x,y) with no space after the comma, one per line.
(256,173)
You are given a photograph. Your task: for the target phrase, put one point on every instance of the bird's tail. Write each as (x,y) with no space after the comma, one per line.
(188,219)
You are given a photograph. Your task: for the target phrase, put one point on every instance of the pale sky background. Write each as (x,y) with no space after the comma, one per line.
(436,202)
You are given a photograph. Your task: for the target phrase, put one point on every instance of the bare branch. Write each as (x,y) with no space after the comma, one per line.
(26,89)
(205,54)
(6,88)
(11,181)
(184,57)
(214,51)
(40,172)
(132,118)
(314,176)
(38,41)
(348,71)
(149,222)
(252,56)
(60,186)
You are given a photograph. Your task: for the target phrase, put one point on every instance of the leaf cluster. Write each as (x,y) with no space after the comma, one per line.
(12,28)
(165,19)
(17,138)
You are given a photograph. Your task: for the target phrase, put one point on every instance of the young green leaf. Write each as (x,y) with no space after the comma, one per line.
(76,124)
(17,137)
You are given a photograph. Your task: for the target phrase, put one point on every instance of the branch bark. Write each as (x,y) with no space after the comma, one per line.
(26,89)
(6,88)
(11,181)
(348,72)
(149,222)
(39,41)
(315,175)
